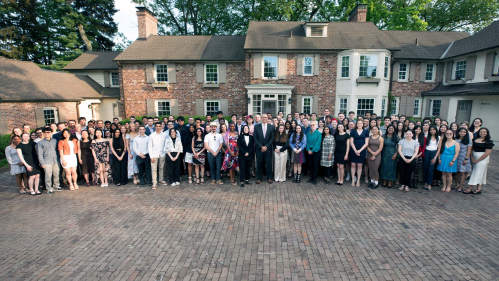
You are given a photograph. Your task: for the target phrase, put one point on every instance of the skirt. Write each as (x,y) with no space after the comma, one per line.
(479,174)
(188,158)
(70,161)
(298,158)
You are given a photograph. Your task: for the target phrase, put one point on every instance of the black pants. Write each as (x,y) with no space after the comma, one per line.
(308,164)
(144,166)
(315,160)
(182,164)
(245,168)
(261,158)
(120,169)
(328,171)
(406,170)
(173,168)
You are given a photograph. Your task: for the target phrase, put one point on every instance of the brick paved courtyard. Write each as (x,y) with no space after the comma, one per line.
(260,232)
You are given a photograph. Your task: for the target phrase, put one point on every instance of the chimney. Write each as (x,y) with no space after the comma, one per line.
(359,13)
(147,22)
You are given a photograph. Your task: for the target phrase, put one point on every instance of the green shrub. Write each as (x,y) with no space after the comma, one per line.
(4,142)
(4,163)
(122,122)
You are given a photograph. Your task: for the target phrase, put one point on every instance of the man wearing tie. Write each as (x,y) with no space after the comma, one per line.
(264,135)
(239,125)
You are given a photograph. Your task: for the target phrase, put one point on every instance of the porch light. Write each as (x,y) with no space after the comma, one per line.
(249,100)
(289,100)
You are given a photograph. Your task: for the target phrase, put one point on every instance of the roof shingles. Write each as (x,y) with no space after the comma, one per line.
(94,61)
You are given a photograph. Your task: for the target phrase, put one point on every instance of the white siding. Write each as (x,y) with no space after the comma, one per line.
(97,76)
(479,66)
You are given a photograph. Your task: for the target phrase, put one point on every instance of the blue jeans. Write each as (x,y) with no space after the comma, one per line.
(428,168)
(215,165)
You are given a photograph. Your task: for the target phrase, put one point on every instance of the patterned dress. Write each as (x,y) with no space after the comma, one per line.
(101,149)
(132,166)
(198,146)
(463,150)
(327,148)
(231,162)
(388,167)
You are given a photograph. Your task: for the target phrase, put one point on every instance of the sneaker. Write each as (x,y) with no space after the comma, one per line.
(347,178)
(213,182)
(58,189)
(177,183)
(50,192)
(173,184)
(164,183)
(220,182)
(154,187)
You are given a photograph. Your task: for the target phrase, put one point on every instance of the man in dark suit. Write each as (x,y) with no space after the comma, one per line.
(264,136)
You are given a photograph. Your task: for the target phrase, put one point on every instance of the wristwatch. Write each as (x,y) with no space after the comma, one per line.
(465,158)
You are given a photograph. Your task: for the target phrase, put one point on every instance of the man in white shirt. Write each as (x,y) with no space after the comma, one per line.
(141,148)
(157,154)
(213,143)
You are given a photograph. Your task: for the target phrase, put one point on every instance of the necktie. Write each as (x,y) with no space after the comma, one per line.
(264,130)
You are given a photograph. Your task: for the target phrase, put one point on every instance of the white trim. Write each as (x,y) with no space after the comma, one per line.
(434,72)
(454,67)
(276,67)
(349,67)
(386,66)
(218,73)
(311,103)
(205,105)
(339,104)
(406,72)
(156,73)
(420,105)
(375,65)
(383,110)
(56,113)
(495,67)
(156,107)
(111,79)
(303,65)
(431,107)
(397,105)
(364,98)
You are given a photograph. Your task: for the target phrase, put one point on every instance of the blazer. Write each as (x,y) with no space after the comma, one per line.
(64,146)
(261,141)
(243,148)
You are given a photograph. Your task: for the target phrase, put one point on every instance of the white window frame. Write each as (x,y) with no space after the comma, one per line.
(111,79)
(433,72)
(387,66)
(368,66)
(214,113)
(322,29)
(454,69)
(311,104)
(431,108)
(56,114)
(383,107)
(419,107)
(156,107)
(405,79)
(311,66)
(156,73)
(348,67)
(365,98)
(206,73)
(397,104)
(345,111)
(276,67)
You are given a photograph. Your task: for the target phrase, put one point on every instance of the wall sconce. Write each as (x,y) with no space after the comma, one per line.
(249,100)
(289,100)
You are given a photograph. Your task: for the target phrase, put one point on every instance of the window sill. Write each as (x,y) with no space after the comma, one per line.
(211,85)
(368,80)
(429,81)
(160,85)
(493,78)
(345,78)
(456,82)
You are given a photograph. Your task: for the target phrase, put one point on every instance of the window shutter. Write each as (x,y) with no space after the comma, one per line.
(199,107)
(172,75)
(40,118)
(403,106)
(489,64)
(315,106)
(222,72)
(440,71)
(62,114)
(174,107)
(444,108)
(409,109)
(299,64)
(427,111)
(257,66)
(422,72)
(412,71)
(299,103)
(317,63)
(149,73)
(395,71)
(224,106)
(470,68)
(151,107)
(283,66)
(199,72)
(107,83)
(448,71)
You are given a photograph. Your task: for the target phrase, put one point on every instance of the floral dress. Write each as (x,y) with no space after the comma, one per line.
(231,162)
(101,149)
(132,166)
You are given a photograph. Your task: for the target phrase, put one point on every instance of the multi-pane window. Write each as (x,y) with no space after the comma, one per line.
(430,69)
(49,116)
(364,106)
(281,104)
(307,105)
(161,73)
(316,31)
(393,106)
(368,65)
(211,71)
(383,107)
(212,107)
(257,104)
(385,74)
(460,70)
(308,64)
(343,105)
(270,67)
(345,66)
(417,106)
(163,108)
(403,71)
(115,79)
(435,107)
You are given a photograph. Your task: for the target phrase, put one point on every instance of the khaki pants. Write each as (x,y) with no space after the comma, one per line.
(154,169)
(280,165)
(52,170)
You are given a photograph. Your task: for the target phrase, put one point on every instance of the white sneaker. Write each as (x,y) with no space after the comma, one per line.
(177,183)
(348,177)
(173,184)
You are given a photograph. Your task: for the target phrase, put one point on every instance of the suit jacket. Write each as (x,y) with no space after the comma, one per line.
(239,128)
(243,148)
(149,130)
(261,141)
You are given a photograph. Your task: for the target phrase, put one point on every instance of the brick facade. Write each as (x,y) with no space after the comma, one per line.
(413,88)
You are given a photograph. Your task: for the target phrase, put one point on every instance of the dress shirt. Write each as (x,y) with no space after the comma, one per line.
(150,130)
(141,145)
(264,129)
(246,139)
(156,144)
(47,151)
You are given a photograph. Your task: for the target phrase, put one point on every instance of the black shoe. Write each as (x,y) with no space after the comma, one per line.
(248,182)
(327,181)
(242,185)
(310,180)
(295,177)
(314,182)
(374,186)
(370,185)
(298,177)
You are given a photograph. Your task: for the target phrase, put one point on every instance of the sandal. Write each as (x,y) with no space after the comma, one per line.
(401,188)
(406,188)
(190,179)
(468,191)
(33,193)
(197,182)
(233,182)
(476,192)
(202,179)
(22,191)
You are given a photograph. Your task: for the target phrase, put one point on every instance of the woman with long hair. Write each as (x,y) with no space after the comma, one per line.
(411,126)
(298,143)
(17,167)
(173,148)
(374,150)
(68,147)
(432,151)
(327,157)
(476,126)
(359,140)
(187,144)
(388,171)
(120,158)
(419,136)
(341,151)
(251,126)
(26,152)
(280,154)
(100,151)
(86,158)
(91,133)
(292,130)
(322,123)
(407,149)
(345,123)
(437,122)
(482,147)
(198,155)
(449,151)
(400,130)
(463,160)
(231,162)
(132,168)
(453,127)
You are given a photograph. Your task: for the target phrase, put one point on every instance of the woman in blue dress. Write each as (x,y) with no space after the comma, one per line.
(359,140)
(447,159)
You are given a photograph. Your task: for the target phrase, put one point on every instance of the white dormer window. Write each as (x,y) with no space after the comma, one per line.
(316,29)
(459,70)
(161,73)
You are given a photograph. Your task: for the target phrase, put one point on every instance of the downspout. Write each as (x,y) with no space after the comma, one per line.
(122,88)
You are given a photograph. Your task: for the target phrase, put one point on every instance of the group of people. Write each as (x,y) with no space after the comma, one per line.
(153,151)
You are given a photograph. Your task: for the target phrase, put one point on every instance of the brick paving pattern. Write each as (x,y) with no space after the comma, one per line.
(259,232)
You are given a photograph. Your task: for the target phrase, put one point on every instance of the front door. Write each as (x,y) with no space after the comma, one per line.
(270,107)
(463,111)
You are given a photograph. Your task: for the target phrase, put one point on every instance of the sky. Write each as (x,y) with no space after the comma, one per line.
(126,18)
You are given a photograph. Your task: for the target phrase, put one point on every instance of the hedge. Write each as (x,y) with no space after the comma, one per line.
(4,142)
(122,122)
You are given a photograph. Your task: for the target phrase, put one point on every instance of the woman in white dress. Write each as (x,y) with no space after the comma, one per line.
(133,169)
(16,165)
(482,147)
(67,147)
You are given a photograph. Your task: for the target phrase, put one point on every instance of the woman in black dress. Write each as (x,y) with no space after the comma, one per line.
(198,155)
(341,152)
(120,158)
(27,153)
(86,158)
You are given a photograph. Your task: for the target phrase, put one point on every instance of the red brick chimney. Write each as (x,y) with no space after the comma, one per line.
(148,24)
(359,13)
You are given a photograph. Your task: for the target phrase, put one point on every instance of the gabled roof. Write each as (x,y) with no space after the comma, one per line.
(94,61)
(484,39)
(25,81)
(487,88)
(185,48)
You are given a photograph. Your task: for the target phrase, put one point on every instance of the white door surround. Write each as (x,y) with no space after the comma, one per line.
(258,93)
